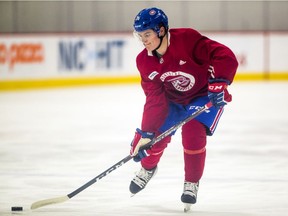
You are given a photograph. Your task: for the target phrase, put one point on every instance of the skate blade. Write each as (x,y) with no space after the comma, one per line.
(187,207)
(132,195)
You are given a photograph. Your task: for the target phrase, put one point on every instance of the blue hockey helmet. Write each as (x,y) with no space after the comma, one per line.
(151,18)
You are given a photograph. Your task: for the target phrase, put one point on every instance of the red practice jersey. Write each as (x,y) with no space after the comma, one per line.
(182,73)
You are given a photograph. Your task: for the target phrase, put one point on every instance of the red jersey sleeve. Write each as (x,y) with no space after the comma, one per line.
(220,57)
(156,105)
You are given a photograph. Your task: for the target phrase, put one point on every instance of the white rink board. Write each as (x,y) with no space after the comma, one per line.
(72,55)
(279,52)
(68,56)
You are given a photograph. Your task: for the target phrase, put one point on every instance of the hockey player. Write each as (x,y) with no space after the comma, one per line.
(181,70)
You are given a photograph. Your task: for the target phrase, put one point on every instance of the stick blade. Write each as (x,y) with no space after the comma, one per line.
(45,202)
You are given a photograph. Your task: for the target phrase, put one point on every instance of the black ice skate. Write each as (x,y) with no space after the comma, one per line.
(141,179)
(189,195)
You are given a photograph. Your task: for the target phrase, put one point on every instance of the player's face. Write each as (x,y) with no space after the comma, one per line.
(149,39)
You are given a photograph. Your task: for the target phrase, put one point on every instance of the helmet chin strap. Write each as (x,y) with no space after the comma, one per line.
(154,52)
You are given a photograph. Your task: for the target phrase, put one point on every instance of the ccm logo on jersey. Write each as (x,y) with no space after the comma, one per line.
(181,62)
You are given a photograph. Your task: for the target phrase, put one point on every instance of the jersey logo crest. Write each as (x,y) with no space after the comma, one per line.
(180,80)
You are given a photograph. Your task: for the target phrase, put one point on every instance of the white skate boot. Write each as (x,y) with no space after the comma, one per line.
(141,180)
(189,195)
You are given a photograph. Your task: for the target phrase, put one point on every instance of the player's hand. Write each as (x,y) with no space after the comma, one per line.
(218,93)
(141,138)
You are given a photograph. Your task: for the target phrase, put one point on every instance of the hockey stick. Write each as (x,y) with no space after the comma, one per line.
(61,199)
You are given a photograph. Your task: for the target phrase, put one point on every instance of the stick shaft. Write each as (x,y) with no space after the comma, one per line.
(103,174)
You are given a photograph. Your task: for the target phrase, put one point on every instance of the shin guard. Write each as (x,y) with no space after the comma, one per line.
(194,143)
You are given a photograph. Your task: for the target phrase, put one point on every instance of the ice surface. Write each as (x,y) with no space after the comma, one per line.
(54,141)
